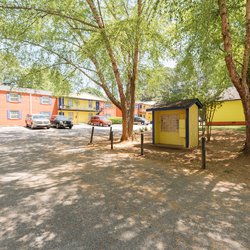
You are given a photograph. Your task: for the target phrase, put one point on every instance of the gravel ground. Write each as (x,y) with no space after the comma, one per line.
(58,193)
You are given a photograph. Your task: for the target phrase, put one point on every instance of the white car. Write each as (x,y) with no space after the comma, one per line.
(37,121)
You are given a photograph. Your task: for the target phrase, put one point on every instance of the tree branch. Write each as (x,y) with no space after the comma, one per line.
(104,83)
(49,12)
(68,61)
(227,41)
(247,45)
(110,52)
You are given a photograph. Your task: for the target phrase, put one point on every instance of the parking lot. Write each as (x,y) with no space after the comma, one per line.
(58,192)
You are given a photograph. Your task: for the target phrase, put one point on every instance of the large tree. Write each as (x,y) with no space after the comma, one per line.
(103,40)
(196,82)
(239,75)
(211,31)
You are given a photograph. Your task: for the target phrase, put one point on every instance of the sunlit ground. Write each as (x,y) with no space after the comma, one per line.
(57,192)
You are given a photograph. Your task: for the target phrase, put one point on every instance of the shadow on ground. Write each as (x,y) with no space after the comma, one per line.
(58,193)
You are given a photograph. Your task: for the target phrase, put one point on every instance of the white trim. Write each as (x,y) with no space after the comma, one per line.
(25,90)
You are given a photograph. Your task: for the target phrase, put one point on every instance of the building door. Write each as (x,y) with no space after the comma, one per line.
(61,102)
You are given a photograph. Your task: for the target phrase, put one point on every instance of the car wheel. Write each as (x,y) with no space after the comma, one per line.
(48,127)
(142,123)
(70,127)
(57,126)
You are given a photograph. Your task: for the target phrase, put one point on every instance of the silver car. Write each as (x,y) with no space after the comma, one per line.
(37,121)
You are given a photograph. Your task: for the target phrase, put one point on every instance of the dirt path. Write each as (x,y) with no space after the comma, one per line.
(58,193)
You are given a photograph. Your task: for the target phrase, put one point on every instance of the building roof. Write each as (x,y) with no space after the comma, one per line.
(182,104)
(24,90)
(146,102)
(86,96)
(230,94)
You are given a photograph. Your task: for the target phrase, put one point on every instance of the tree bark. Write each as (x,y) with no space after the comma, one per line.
(125,134)
(127,130)
(135,70)
(246,105)
(240,82)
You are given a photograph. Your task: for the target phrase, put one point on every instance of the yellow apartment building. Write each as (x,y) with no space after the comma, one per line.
(79,108)
(229,110)
(141,109)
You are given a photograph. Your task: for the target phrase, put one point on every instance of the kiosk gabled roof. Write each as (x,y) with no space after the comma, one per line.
(182,104)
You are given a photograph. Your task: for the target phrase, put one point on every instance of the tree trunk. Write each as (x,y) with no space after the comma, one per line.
(240,82)
(131,112)
(125,132)
(246,105)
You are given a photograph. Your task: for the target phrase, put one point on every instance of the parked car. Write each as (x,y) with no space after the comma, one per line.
(99,121)
(61,121)
(141,120)
(37,121)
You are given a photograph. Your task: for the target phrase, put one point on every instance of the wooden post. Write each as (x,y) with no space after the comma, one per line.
(203,152)
(92,134)
(112,140)
(142,140)
(110,133)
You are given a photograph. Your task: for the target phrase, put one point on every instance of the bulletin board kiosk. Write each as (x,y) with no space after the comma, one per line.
(176,124)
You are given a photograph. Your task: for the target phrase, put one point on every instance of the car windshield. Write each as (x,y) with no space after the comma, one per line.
(104,118)
(39,117)
(61,117)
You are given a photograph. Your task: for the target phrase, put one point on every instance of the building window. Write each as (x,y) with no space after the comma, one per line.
(45,100)
(13,97)
(14,114)
(169,123)
(77,103)
(46,113)
(108,105)
(70,102)
(90,104)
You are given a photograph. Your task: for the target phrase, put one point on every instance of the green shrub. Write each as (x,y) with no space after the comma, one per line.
(116,120)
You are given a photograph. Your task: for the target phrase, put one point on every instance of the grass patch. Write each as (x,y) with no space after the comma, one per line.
(116,120)
(234,128)
(224,128)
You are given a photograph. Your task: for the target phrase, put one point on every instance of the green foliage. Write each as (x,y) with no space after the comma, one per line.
(186,85)
(152,82)
(197,40)
(10,68)
(62,35)
(116,120)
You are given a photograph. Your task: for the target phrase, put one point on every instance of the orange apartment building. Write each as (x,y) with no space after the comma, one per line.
(108,109)
(16,103)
